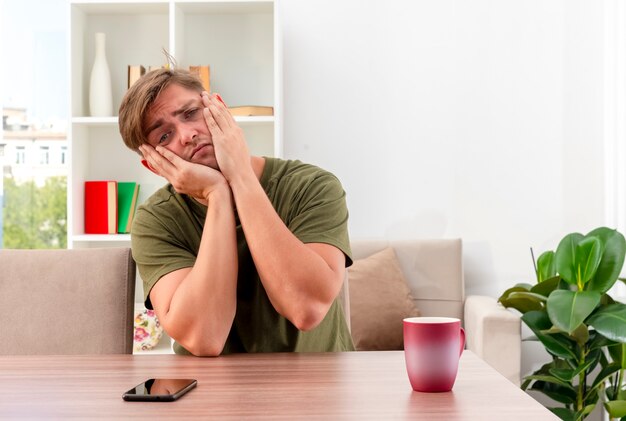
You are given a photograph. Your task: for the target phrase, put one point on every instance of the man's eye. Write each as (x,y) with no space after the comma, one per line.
(191,113)
(164,137)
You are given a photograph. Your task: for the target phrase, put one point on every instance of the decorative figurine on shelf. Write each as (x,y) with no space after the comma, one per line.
(100,98)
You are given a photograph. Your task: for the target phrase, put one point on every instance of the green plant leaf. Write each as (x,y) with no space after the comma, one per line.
(546,287)
(610,394)
(591,397)
(564,414)
(598,357)
(508,292)
(615,351)
(550,379)
(606,300)
(616,409)
(598,341)
(520,303)
(546,266)
(552,331)
(537,321)
(612,261)
(587,410)
(605,373)
(580,415)
(581,334)
(588,257)
(565,257)
(613,394)
(610,322)
(561,394)
(525,384)
(531,338)
(567,374)
(556,345)
(538,298)
(583,368)
(568,309)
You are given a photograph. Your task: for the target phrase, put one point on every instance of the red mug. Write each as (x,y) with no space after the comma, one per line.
(432,348)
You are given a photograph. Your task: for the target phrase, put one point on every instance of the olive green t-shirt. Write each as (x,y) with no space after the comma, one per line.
(166,235)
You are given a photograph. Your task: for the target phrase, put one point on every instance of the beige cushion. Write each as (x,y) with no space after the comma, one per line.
(433,269)
(379,299)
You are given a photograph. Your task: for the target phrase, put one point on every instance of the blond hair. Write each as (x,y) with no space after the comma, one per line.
(141,96)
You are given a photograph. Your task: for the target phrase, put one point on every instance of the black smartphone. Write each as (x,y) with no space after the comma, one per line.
(160,390)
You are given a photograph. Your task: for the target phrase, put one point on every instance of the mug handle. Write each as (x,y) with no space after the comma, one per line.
(462,341)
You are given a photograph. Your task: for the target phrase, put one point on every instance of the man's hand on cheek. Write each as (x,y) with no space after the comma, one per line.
(186,177)
(231,150)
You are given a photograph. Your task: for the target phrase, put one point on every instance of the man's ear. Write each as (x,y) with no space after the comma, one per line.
(145,164)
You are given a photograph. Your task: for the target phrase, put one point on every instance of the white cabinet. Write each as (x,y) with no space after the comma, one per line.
(239,40)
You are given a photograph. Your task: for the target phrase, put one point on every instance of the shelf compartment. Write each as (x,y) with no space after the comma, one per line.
(98,153)
(136,33)
(236,39)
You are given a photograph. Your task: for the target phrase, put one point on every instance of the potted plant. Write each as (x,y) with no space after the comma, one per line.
(579,324)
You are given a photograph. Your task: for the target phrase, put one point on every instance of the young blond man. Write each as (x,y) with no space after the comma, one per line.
(238,253)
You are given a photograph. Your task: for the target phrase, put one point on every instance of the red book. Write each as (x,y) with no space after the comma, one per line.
(100,207)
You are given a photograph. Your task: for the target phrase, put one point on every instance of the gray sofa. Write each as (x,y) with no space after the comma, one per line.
(80,301)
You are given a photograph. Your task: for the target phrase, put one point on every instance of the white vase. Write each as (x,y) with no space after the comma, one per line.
(100,98)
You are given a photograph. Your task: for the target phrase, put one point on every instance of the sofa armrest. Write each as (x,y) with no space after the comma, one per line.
(494,334)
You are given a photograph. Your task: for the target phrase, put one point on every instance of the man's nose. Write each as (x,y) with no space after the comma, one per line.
(187,135)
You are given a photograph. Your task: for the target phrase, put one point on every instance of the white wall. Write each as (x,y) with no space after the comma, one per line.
(479,119)
(476,119)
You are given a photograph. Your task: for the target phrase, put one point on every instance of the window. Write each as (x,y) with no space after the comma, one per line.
(20,155)
(63,154)
(34,114)
(44,155)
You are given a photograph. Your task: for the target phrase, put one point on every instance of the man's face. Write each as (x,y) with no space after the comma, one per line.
(175,122)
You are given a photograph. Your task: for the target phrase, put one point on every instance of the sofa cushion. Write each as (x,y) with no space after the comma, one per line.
(379,299)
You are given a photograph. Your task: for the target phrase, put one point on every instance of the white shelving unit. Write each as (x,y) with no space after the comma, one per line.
(239,39)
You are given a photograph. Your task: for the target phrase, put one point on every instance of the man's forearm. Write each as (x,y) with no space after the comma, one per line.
(299,282)
(298,278)
(203,306)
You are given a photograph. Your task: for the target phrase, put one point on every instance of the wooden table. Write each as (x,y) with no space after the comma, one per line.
(351,385)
